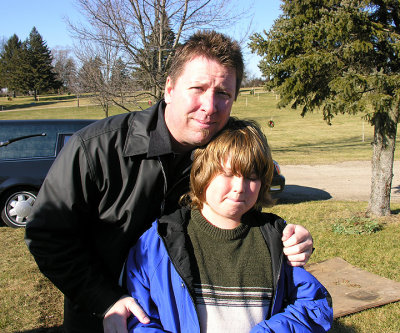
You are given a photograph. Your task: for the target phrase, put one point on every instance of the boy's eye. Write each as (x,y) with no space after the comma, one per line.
(253,177)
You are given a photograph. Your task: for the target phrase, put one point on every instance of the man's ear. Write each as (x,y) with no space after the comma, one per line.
(168,90)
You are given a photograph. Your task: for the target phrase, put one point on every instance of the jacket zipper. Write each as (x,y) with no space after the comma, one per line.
(278,275)
(165,186)
(276,284)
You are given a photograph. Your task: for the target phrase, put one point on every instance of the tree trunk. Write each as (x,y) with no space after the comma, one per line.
(382,162)
(158,93)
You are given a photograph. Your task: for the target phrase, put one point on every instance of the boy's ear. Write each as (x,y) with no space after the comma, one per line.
(168,90)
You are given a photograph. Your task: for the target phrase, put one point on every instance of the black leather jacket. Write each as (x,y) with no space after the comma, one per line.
(103,191)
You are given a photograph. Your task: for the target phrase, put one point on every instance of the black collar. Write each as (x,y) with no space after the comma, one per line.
(160,139)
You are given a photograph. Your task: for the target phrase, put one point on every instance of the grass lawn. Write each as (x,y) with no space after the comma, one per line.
(29,302)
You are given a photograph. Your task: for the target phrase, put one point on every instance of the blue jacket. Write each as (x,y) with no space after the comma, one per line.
(159,278)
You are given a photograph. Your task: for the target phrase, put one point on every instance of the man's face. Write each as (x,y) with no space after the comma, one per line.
(199,103)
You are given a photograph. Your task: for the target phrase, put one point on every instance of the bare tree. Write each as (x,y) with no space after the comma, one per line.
(103,73)
(64,67)
(147,32)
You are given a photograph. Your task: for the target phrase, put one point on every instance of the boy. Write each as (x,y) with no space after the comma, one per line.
(219,266)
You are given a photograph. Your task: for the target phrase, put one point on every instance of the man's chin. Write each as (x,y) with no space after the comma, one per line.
(203,137)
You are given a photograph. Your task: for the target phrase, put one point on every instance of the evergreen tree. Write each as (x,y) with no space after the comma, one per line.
(341,57)
(40,74)
(10,62)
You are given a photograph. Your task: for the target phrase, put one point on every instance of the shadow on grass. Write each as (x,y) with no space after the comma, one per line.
(338,327)
(297,194)
(58,98)
(396,189)
(395,211)
(55,329)
(26,106)
(324,145)
(48,100)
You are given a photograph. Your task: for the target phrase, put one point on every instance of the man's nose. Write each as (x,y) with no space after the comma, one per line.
(208,102)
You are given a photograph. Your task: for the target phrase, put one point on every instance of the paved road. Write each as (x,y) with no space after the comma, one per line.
(350,181)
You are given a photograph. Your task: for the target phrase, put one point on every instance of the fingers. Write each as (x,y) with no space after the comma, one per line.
(298,244)
(138,312)
(288,232)
(297,259)
(115,320)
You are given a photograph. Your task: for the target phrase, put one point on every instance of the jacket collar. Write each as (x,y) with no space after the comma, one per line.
(148,133)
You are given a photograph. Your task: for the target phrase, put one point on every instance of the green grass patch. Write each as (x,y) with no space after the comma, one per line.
(356,225)
(374,252)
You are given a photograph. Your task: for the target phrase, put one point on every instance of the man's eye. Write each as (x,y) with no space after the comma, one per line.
(225,94)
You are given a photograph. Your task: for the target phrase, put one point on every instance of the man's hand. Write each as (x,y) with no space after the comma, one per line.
(298,244)
(115,319)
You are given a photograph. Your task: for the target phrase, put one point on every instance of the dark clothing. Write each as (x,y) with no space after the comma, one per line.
(110,182)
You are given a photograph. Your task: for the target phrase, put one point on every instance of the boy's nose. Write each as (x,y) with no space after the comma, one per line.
(238,184)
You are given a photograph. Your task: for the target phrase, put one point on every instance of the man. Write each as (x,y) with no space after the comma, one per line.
(116,176)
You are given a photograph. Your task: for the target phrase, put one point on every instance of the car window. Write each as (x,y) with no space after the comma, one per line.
(62,140)
(47,140)
(38,146)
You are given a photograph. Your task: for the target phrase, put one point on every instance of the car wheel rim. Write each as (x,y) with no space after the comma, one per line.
(19,207)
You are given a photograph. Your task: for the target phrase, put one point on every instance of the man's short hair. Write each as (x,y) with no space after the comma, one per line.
(211,45)
(243,142)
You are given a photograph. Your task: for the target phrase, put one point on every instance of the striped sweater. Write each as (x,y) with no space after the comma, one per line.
(232,275)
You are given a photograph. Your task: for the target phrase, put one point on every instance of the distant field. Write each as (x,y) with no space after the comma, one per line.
(293,139)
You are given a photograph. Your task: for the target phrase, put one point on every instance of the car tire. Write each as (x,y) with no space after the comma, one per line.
(16,207)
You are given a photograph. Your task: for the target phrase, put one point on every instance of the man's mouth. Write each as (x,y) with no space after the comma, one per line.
(204,123)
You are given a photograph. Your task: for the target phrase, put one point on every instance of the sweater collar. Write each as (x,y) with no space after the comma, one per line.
(217,233)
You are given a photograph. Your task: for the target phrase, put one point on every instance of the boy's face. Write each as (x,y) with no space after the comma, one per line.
(199,102)
(228,197)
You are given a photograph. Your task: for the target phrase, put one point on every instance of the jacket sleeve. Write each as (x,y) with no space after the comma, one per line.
(138,284)
(307,307)
(62,233)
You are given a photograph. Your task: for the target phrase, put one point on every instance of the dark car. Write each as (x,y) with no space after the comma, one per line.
(278,180)
(27,150)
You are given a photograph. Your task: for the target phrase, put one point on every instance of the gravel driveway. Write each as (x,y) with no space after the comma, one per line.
(349,181)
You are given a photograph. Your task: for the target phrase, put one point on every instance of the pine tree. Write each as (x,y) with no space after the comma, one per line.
(340,57)
(10,62)
(40,74)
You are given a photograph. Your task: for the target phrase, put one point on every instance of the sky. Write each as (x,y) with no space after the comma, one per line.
(48,16)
